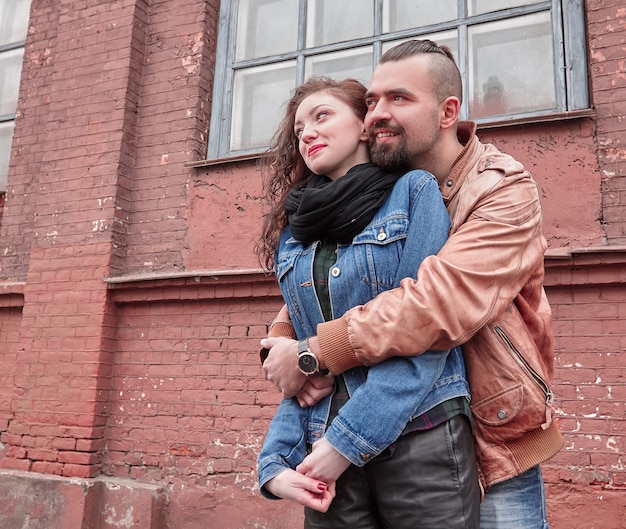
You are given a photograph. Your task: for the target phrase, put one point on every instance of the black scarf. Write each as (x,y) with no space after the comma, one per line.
(338,210)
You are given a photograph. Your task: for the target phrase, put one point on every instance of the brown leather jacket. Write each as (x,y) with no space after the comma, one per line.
(483,290)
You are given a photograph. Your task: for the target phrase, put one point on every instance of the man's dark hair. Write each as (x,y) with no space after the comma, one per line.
(446,75)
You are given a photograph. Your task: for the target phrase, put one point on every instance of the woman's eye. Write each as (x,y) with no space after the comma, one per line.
(322,114)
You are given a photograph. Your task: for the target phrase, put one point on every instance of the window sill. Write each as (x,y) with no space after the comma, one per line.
(547,118)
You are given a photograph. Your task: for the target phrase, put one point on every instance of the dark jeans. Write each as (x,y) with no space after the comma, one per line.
(430,482)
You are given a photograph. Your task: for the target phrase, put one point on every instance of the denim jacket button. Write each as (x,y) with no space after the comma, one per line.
(501,414)
(381,235)
(335,271)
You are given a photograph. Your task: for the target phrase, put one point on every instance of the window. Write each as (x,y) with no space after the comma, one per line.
(13,26)
(518,58)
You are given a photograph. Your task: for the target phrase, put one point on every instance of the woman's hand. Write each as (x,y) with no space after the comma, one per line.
(323,463)
(315,389)
(301,489)
(281,366)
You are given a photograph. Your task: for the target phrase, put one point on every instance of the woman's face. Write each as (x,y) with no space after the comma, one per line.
(331,138)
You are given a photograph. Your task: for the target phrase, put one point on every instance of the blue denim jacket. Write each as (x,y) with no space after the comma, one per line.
(411,225)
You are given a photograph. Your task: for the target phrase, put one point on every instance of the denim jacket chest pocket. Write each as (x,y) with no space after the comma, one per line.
(377,250)
(293,269)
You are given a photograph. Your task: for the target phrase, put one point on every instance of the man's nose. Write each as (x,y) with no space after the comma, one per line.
(376,113)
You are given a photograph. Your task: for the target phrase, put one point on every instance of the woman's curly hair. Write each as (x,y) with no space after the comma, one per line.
(282,166)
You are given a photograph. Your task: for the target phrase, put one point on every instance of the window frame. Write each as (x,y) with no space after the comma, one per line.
(569,50)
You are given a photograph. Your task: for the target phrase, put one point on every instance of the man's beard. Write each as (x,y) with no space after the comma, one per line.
(390,157)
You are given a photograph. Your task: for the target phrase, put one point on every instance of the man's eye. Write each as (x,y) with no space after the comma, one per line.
(370,102)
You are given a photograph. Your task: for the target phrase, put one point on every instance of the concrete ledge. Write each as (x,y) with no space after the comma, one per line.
(39,501)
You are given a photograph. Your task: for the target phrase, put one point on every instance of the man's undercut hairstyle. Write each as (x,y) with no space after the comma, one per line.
(445,72)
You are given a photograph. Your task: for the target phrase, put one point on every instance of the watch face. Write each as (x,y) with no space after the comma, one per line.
(307,363)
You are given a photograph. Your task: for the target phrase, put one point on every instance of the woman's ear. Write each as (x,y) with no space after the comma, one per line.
(364,135)
(450,111)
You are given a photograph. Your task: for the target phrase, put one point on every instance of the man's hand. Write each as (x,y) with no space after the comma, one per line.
(315,389)
(302,489)
(323,463)
(281,366)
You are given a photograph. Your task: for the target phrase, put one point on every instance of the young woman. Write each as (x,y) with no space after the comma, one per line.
(392,446)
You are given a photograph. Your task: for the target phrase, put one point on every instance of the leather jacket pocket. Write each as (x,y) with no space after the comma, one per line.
(510,393)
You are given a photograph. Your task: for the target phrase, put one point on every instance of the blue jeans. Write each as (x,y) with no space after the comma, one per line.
(517,503)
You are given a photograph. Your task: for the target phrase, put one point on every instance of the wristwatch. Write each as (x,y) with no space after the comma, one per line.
(307,361)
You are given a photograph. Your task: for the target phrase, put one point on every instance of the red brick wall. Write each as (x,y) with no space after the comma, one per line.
(130,318)
(586,480)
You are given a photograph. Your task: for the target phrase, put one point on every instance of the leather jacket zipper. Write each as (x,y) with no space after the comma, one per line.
(533,374)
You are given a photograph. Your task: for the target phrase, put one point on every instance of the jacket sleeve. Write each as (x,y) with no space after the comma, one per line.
(487,261)
(285,444)
(281,326)
(390,396)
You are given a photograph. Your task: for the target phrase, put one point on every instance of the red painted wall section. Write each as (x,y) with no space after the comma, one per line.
(606,26)
(224,218)
(562,159)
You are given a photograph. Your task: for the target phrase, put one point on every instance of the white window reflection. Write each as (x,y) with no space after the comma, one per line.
(13,20)
(404,14)
(356,64)
(6,137)
(506,75)
(259,95)
(266,27)
(10,69)
(330,21)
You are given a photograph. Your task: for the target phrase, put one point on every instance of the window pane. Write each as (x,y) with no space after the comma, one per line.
(6,136)
(10,69)
(330,21)
(404,14)
(445,38)
(355,63)
(13,20)
(258,96)
(505,75)
(476,7)
(266,27)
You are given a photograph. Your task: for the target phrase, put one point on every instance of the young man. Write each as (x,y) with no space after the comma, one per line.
(484,289)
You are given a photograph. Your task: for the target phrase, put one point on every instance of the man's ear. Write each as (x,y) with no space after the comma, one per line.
(450,111)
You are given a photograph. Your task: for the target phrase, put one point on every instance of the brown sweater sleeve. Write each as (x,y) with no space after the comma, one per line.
(281,326)
(335,346)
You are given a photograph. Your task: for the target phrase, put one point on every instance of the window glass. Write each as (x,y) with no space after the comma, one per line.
(330,21)
(6,136)
(477,7)
(259,94)
(10,69)
(506,77)
(267,47)
(355,63)
(404,14)
(266,27)
(13,20)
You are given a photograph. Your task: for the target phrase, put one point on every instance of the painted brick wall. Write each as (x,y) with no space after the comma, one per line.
(128,344)
(586,481)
